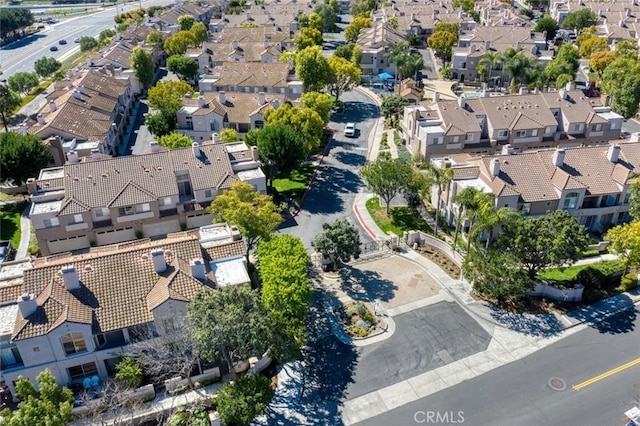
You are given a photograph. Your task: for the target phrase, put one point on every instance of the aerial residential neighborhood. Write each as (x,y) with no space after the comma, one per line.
(320,212)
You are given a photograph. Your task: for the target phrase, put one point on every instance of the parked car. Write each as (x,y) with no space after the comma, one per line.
(53,48)
(76,40)
(63,41)
(350,130)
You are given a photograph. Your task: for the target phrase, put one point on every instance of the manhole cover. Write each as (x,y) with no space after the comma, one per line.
(557,384)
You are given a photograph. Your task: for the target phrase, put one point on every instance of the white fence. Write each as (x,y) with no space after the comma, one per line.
(420,238)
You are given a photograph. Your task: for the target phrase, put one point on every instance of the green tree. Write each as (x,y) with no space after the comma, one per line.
(167,95)
(255,214)
(315,22)
(155,39)
(105,36)
(591,45)
(45,66)
(281,149)
(185,22)
(22,156)
(490,61)
(320,103)
(229,135)
(397,54)
(393,106)
(9,102)
(496,274)
(387,178)
(361,8)
(441,178)
(304,121)
(634,201)
(13,22)
(352,31)
(251,137)
(174,140)
(598,61)
(343,76)
(23,82)
(327,15)
(128,373)
(465,200)
(338,242)
(581,18)
(186,68)
(161,123)
(178,43)
(200,33)
(625,243)
(240,402)
(307,37)
(142,66)
(540,242)
(628,48)
(621,80)
(312,68)
(567,61)
(442,43)
(549,25)
(50,405)
(286,291)
(230,323)
(88,43)
(452,27)
(466,5)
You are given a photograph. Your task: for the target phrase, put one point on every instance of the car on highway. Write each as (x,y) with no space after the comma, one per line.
(52,21)
(53,48)
(63,41)
(350,130)
(76,40)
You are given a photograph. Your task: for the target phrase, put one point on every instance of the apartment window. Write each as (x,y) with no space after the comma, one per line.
(73,343)
(503,133)
(578,127)
(81,371)
(208,193)
(549,130)
(596,127)
(143,208)
(77,218)
(164,201)
(214,126)
(9,354)
(258,124)
(102,212)
(101,340)
(51,223)
(534,132)
(189,123)
(609,200)
(521,134)
(456,139)
(438,140)
(571,201)
(613,126)
(526,208)
(126,211)
(627,197)
(468,137)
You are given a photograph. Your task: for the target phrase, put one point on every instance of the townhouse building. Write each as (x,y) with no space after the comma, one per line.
(90,108)
(212,112)
(77,314)
(280,17)
(101,202)
(373,42)
(252,77)
(168,20)
(523,121)
(590,182)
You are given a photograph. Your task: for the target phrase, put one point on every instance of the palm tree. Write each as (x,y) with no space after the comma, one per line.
(398,54)
(413,64)
(490,218)
(490,60)
(441,178)
(465,200)
(511,60)
(478,207)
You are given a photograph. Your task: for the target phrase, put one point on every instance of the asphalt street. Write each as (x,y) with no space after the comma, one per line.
(22,54)
(425,339)
(337,179)
(602,360)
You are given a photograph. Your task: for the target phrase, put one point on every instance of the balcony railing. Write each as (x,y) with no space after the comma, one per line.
(168,212)
(102,223)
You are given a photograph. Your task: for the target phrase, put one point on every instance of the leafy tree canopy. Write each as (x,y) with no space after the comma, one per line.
(281,149)
(22,156)
(240,402)
(175,140)
(625,242)
(88,43)
(167,95)
(320,103)
(307,37)
(46,66)
(186,68)
(352,30)
(549,25)
(142,65)
(312,68)
(442,43)
(200,32)
(387,178)
(305,121)
(393,106)
(621,80)
(229,135)
(9,102)
(185,22)
(128,373)
(178,43)
(338,242)
(23,82)
(581,18)
(343,76)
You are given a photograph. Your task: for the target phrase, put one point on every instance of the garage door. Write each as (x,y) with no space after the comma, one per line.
(198,221)
(162,228)
(68,244)
(115,236)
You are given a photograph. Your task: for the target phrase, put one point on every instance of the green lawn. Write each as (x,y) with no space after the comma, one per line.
(569,273)
(296,182)
(402,218)
(10,222)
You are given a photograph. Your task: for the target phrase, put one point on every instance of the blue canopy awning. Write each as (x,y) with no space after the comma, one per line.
(385,76)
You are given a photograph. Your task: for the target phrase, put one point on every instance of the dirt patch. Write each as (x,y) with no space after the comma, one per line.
(441,259)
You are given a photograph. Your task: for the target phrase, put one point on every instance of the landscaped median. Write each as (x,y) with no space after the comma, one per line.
(399,220)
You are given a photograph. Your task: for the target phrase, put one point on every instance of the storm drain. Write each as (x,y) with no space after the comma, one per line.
(557,384)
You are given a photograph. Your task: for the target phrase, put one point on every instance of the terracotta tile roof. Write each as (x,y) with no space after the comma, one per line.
(252,74)
(72,206)
(236,248)
(469,172)
(119,285)
(250,35)
(9,292)
(378,36)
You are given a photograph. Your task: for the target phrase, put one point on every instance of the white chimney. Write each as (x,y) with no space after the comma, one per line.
(195,147)
(82,90)
(72,157)
(558,157)
(95,154)
(223,97)
(52,105)
(70,277)
(275,103)
(413,17)
(261,98)
(570,86)
(77,94)
(234,44)
(507,150)
(563,93)
(461,102)
(40,119)
(487,45)
(27,304)
(523,91)
(215,138)
(159,263)
(472,49)
(198,270)
(495,167)
(254,153)
(248,16)
(201,101)
(613,153)
(69,83)
(436,96)
(153,145)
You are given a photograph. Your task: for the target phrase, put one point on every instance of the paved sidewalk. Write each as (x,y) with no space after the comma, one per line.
(25,234)
(375,137)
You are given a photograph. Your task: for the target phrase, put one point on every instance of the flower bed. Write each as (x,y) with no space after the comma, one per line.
(357,319)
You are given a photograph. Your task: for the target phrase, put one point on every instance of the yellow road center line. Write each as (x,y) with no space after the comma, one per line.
(606,374)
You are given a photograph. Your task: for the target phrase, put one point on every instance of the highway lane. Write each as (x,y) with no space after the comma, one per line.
(599,379)
(22,54)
